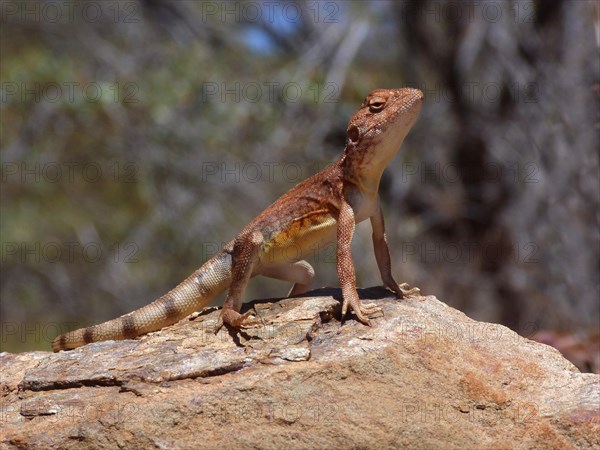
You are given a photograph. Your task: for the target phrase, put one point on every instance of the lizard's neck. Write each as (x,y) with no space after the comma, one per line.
(364,176)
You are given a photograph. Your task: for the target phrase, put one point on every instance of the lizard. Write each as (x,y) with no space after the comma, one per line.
(323,208)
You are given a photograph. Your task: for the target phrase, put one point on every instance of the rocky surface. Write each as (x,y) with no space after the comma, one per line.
(423,376)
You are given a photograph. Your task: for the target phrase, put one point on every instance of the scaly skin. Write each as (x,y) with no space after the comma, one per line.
(323,208)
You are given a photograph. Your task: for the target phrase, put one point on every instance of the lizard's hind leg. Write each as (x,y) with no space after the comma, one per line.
(244,257)
(301,273)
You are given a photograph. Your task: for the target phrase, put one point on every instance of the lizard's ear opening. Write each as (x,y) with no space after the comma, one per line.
(353,133)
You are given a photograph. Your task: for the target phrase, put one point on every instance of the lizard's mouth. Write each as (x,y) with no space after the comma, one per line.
(417,94)
(414,101)
(411,98)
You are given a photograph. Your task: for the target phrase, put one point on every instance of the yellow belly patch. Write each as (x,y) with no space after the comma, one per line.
(305,237)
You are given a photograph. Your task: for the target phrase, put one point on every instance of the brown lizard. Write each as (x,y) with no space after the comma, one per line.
(324,207)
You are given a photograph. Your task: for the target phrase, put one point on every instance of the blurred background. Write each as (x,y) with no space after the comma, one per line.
(139,136)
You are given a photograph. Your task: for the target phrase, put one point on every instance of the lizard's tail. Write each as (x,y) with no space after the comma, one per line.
(196,291)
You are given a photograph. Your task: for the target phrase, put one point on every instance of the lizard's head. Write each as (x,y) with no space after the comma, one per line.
(377,130)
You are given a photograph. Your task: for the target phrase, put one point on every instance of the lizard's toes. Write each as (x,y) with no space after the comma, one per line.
(345,304)
(245,320)
(236,320)
(248,320)
(371,310)
(363,311)
(368,311)
(219,325)
(407,291)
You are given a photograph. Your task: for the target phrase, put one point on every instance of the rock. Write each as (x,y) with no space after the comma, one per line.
(422,376)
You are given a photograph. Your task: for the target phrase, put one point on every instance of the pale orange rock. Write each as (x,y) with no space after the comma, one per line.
(422,376)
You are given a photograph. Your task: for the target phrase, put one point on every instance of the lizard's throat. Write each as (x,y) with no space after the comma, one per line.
(366,175)
(365,168)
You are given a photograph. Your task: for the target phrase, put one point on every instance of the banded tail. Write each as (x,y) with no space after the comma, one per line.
(196,291)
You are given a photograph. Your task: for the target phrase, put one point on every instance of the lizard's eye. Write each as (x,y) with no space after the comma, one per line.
(376,105)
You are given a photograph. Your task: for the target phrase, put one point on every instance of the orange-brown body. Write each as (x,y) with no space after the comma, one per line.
(323,208)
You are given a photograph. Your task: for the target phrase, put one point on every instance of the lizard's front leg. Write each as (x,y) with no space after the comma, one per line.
(345,266)
(382,255)
(244,257)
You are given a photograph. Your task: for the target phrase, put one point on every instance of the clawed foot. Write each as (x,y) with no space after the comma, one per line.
(236,320)
(404,290)
(363,311)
